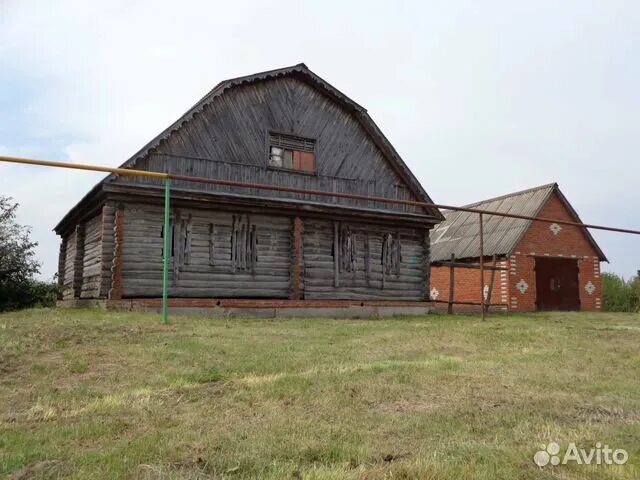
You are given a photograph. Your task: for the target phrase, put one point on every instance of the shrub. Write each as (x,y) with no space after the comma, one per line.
(620,295)
(18,266)
(27,294)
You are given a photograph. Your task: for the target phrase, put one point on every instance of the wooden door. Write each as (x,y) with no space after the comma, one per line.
(557,284)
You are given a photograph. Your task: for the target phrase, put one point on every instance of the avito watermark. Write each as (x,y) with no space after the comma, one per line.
(550,454)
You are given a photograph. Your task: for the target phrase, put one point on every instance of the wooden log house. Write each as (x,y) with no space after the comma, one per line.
(239,247)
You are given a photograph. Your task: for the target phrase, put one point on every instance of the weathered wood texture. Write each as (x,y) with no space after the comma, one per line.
(207,258)
(92,259)
(62,257)
(426,266)
(78,261)
(297,286)
(117,261)
(228,140)
(108,242)
(70,263)
(364,274)
(68,272)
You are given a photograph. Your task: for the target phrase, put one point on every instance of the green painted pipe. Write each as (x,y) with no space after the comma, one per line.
(167,253)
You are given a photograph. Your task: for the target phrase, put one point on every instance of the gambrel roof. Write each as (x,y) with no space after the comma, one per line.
(302,72)
(459,233)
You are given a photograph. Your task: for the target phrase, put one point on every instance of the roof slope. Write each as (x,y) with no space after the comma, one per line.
(459,233)
(304,73)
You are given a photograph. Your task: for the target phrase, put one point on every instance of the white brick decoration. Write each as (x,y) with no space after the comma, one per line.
(522,286)
(434,293)
(555,228)
(503,282)
(590,287)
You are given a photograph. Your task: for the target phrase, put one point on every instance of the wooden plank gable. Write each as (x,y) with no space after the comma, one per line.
(233,132)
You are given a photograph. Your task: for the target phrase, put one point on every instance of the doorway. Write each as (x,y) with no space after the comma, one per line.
(557,284)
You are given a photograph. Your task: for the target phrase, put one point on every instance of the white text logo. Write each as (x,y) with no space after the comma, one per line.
(600,455)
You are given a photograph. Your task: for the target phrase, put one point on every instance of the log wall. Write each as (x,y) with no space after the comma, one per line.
(62,258)
(92,258)
(221,254)
(364,274)
(205,261)
(108,225)
(68,272)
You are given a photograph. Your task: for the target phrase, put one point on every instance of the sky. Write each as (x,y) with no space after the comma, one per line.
(479,98)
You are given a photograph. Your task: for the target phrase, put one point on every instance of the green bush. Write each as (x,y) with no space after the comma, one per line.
(620,295)
(19,287)
(27,294)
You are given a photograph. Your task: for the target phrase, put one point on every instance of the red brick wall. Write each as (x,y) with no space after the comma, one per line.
(521,283)
(569,242)
(439,283)
(590,272)
(517,286)
(467,283)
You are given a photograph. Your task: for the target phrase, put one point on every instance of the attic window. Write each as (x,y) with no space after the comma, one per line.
(292,153)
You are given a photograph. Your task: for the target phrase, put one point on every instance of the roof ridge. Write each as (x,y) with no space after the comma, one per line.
(513,194)
(274,71)
(222,86)
(459,232)
(315,81)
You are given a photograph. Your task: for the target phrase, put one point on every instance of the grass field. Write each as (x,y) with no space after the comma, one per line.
(90,394)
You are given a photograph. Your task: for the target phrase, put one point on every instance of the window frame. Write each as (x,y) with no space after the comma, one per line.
(268,146)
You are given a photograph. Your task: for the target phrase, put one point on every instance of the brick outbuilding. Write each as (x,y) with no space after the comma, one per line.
(546,266)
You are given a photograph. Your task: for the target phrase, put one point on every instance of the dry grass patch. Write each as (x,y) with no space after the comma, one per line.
(91,394)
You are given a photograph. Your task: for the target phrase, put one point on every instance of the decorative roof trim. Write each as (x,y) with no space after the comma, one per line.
(552,185)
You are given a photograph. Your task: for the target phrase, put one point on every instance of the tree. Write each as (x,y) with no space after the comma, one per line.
(18,265)
(17,262)
(620,295)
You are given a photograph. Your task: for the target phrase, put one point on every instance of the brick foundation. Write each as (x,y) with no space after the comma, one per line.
(262,308)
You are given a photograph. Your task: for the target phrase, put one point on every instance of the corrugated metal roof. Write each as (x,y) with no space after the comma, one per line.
(459,233)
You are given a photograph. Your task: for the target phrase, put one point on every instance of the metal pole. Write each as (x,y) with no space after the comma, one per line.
(482,266)
(262,186)
(166,253)
(395,201)
(79,166)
